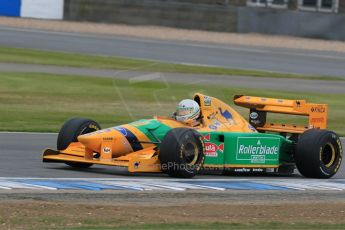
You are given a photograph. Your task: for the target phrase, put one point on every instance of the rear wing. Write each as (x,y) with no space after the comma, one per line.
(259,106)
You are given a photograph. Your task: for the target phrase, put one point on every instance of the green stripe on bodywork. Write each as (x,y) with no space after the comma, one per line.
(151,125)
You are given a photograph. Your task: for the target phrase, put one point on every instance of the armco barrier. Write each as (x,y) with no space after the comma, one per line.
(154,12)
(291,23)
(10,8)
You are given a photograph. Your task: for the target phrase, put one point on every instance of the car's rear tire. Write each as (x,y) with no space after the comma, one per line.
(69,133)
(318,153)
(182,153)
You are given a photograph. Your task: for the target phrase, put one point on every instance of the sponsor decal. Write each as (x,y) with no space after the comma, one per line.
(251,128)
(227,115)
(211,149)
(247,98)
(258,170)
(257,159)
(137,164)
(91,126)
(207,137)
(258,150)
(263,99)
(341,154)
(270,170)
(280,101)
(216,123)
(207,101)
(254,122)
(107,150)
(316,120)
(121,130)
(213,127)
(253,115)
(241,170)
(318,109)
(107,139)
(131,138)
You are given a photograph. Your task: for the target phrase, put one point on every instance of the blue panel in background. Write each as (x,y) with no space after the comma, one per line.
(10,8)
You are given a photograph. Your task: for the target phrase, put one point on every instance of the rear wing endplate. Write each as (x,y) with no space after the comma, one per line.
(259,106)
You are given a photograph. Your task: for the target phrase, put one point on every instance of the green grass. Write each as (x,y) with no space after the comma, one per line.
(30,56)
(42,102)
(268,226)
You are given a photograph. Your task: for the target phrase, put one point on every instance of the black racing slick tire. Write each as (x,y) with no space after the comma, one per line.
(318,153)
(182,153)
(69,133)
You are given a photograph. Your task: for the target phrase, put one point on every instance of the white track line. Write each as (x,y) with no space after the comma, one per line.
(328,188)
(15,185)
(210,187)
(7,188)
(41,186)
(165,186)
(294,188)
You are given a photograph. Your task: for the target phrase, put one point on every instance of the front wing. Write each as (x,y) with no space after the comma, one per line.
(145,160)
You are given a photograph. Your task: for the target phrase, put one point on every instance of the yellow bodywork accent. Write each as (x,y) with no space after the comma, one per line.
(215,113)
(317,113)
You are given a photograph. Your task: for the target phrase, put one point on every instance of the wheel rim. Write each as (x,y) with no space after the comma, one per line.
(190,153)
(328,155)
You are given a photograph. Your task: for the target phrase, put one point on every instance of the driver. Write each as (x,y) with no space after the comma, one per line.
(188,112)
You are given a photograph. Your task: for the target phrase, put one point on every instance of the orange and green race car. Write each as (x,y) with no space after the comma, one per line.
(223,140)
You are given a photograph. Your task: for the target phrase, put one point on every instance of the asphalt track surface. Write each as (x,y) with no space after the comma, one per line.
(285,84)
(229,56)
(21,156)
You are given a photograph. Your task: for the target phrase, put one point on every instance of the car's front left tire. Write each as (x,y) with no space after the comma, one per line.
(69,133)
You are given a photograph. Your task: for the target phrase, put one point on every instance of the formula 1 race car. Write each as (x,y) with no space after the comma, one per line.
(224,140)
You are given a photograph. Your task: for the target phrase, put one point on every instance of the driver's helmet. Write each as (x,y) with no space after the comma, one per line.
(187,111)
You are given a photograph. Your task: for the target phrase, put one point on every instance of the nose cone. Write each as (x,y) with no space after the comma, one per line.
(91,141)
